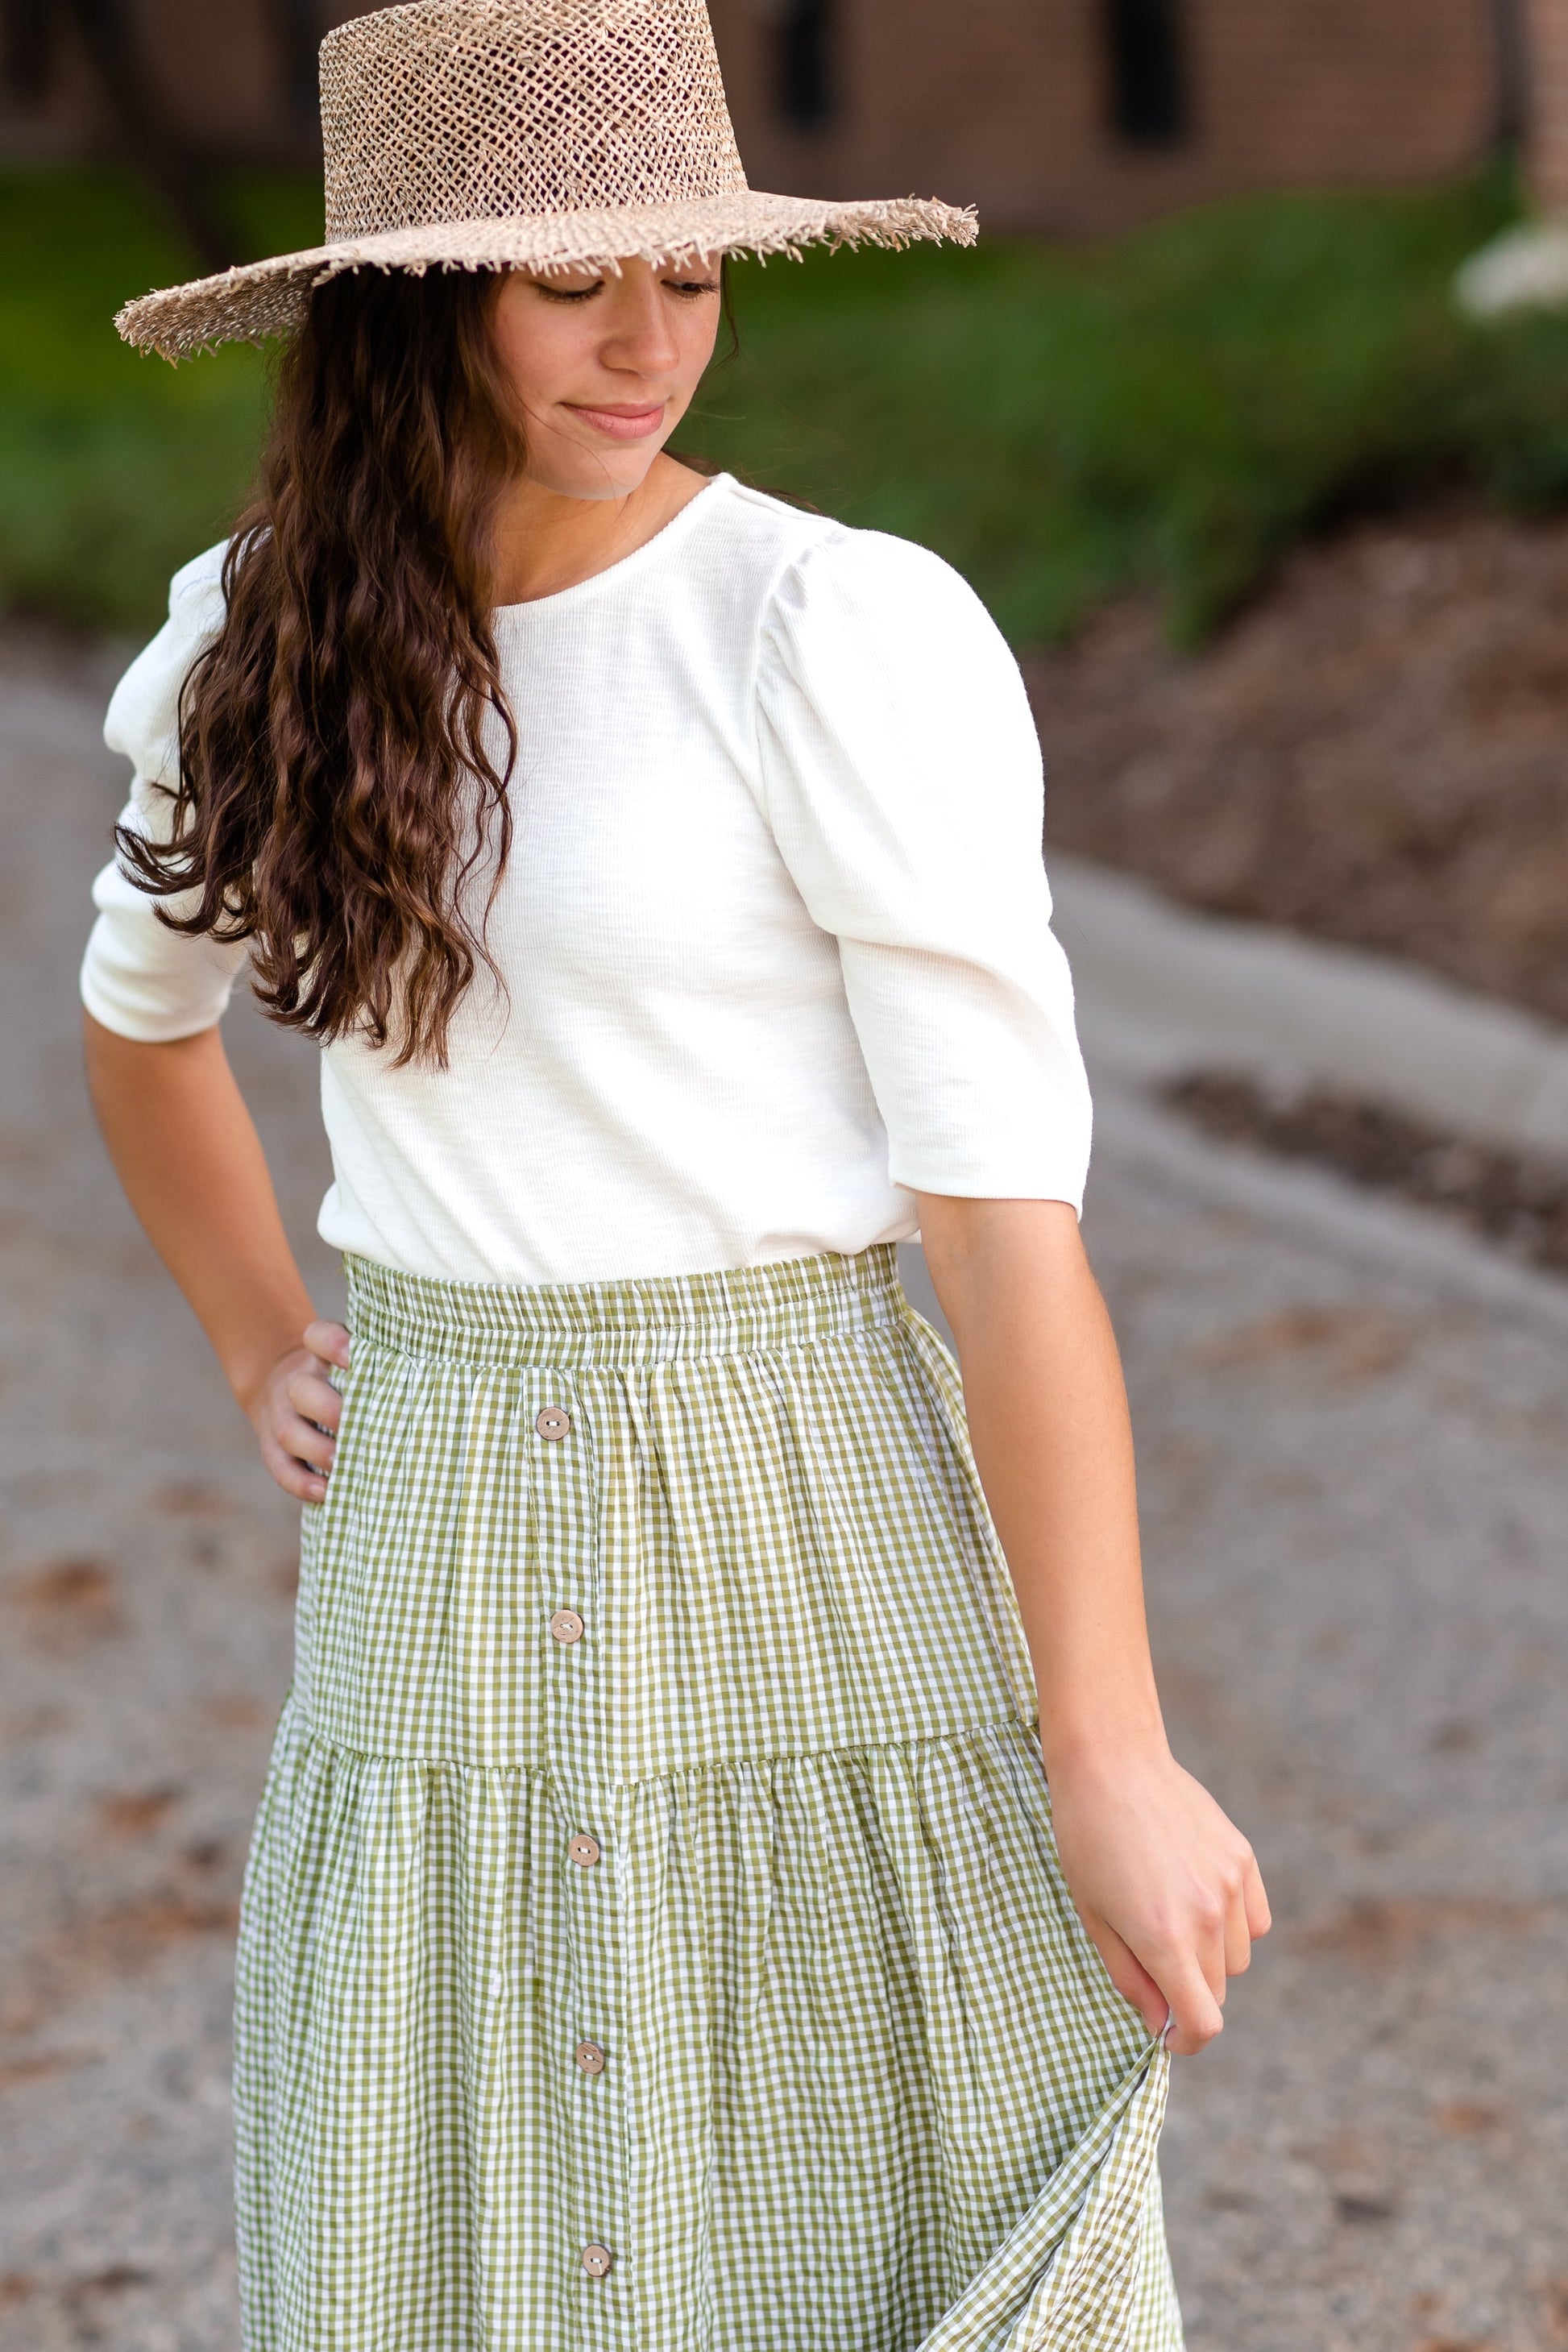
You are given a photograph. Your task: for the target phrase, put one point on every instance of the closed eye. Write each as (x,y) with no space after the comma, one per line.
(690,290)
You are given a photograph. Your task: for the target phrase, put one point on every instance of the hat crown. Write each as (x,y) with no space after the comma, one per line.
(489,110)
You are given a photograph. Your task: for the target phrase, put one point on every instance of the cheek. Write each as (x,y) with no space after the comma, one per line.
(538,346)
(698,339)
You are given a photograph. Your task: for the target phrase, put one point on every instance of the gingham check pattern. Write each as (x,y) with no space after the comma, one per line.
(866,2086)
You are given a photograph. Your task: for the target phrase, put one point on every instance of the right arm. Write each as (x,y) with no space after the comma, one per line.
(186,1151)
(182,1141)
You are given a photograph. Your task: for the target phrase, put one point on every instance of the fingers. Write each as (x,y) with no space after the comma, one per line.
(330,1341)
(1218,1945)
(1259,1917)
(1247,1915)
(1237,1946)
(304,1447)
(1171,1987)
(1189,1964)
(299,1440)
(295,1474)
(297,1437)
(298,1412)
(1127,1974)
(1196,2017)
(1168,1889)
(314,1399)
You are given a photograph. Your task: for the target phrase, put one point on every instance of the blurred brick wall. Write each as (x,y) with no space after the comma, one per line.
(1546,34)
(1005,102)
(999,102)
(220,67)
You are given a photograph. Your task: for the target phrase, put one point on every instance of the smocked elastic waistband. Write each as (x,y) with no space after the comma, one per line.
(740,1311)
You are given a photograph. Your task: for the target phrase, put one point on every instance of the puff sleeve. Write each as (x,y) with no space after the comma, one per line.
(139,978)
(901,779)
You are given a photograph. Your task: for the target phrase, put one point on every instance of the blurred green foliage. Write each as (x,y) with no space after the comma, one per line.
(114,468)
(1171,409)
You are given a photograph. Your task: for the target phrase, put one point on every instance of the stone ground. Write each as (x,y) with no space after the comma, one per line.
(1356,1475)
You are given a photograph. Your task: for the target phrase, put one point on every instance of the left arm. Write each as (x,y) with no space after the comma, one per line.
(899,774)
(1167,1888)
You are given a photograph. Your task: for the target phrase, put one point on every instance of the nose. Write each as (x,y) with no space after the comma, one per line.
(641,337)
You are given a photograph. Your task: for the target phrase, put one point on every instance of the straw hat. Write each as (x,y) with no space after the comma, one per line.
(545,134)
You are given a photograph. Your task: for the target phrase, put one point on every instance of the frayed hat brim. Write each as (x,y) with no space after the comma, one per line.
(263,299)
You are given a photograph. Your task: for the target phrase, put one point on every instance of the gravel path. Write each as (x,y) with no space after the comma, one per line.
(1354,1478)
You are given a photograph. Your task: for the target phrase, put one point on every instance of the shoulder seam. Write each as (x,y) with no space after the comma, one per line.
(790,560)
(202,571)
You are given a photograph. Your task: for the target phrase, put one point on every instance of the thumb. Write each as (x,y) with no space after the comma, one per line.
(1127,1974)
(330,1341)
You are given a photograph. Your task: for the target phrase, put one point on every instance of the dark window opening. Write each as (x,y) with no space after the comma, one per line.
(1148,94)
(297,29)
(27,59)
(807,90)
(1510,51)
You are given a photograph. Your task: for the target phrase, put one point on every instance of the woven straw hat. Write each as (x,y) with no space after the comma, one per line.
(545,134)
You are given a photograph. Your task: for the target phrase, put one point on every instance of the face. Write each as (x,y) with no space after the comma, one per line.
(606,368)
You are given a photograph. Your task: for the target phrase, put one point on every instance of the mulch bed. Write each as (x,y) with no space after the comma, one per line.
(1375,752)
(1510,1198)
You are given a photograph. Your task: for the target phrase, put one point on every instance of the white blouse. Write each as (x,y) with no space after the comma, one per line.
(774,933)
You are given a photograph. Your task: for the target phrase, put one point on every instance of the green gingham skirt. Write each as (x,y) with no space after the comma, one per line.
(653,1939)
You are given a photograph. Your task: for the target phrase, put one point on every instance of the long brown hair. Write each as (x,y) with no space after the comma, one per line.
(337,792)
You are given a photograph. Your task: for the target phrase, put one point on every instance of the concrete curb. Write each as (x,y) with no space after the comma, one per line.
(1390,1237)
(1163,991)
(1387,1237)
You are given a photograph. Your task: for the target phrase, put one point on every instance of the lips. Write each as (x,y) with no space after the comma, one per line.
(621,424)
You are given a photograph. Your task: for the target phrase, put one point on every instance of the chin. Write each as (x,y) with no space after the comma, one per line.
(614,475)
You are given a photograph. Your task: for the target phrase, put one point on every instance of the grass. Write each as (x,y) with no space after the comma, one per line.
(1170,409)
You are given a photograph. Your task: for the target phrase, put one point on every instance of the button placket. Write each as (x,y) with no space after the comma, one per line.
(570,1595)
(564,1527)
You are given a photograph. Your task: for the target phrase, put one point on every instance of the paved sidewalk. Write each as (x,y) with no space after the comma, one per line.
(1355,1473)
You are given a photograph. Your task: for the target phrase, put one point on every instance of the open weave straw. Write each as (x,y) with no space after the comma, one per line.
(540,134)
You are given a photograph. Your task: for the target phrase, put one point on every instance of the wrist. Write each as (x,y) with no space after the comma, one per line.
(251,1365)
(1101,1744)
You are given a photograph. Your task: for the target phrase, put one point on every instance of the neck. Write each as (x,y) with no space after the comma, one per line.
(545,541)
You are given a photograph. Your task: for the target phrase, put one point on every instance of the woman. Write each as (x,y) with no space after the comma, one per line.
(654,1933)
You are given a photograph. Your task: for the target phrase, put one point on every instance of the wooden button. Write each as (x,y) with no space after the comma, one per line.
(597,2261)
(590,2057)
(567,1626)
(554,1422)
(584,1851)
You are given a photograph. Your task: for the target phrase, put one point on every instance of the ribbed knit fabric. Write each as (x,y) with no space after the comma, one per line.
(654,1939)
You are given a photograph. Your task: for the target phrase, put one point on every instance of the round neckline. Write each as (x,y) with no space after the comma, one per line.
(662,537)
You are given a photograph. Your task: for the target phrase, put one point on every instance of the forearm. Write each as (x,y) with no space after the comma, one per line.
(1049,1421)
(1167,1887)
(186,1151)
